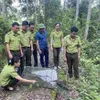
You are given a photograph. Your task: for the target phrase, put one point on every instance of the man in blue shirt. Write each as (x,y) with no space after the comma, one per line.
(42,45)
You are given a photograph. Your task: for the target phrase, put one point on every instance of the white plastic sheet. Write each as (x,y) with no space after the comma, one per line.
(48,75)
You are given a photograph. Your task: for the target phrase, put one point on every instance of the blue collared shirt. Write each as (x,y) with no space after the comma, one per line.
(42,38)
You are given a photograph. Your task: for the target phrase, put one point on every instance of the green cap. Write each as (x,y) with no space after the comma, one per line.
(41,26)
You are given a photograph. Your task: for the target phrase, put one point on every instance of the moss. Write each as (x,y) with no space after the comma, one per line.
(2,47)
(54,94)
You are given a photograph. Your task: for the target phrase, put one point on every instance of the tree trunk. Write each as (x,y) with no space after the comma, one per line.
(4,8)
(35,6)
(88,19)
(27,11)
(65,4)
(44,19)
(77,10)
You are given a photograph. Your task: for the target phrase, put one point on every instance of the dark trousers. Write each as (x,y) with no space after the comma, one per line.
(35,55)
(11,83)
(72,61)
(56,52)
(14,54)
(26,59)
(45,53)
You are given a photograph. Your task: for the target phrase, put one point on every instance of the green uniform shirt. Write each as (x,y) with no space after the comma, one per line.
(72,45)
(25,38)
(13,39)
(33,37)
(57,38)
(7,72)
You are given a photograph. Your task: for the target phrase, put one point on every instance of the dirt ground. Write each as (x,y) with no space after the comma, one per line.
(29,92)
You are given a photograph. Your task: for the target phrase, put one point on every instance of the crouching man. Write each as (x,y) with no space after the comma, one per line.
(10,76)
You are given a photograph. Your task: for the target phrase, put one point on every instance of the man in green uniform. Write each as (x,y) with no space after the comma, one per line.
(72,45)
(9,75)
(12,41)
(25,44)
(33,44)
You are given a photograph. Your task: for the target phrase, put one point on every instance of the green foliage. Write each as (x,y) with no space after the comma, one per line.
(83,8)
(88,86)
(50,6)
(92,50)
(2,47)
(3,59)
(54,93)
(4,28)
(61,75)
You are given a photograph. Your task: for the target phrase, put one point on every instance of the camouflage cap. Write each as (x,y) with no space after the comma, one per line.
(41,26)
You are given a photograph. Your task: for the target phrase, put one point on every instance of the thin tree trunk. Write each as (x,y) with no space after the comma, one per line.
(77,10)
(65,4)
(35,12)
(27,11)
(44,19)
(88,19)
(35,15)
(4,8)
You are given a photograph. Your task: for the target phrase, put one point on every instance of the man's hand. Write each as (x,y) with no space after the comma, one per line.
(32,49)
(22,54)
(78,57)
(62,49)
(40,52)
(10,56)
(51,48)
(33,81)
(65,59)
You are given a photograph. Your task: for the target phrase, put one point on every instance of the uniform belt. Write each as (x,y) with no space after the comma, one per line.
(72,53)
(14,50)
(25,47)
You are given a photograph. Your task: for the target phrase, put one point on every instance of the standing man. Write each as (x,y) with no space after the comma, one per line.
(25,44)
(33,44)
(42,45)
(12,41)
(72,45)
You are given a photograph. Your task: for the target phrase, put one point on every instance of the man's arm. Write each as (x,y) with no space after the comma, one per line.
(31,41)
(51,44)
(79,52)
(7,40)
(8,51)
(21,52)
(25,80)
(31,44)
(79,48)
(65,59)
(62,39)
(64,44)
(37,42)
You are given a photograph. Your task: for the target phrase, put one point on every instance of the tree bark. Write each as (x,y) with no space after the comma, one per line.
(77,10)
(27,11)
(65,4)
(88,19)
(4,8)
(35,8)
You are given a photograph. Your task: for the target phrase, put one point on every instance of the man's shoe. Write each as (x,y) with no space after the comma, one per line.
(59,67)
(55,67)
(35,65)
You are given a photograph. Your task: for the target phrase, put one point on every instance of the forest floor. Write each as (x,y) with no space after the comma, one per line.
(42,92)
